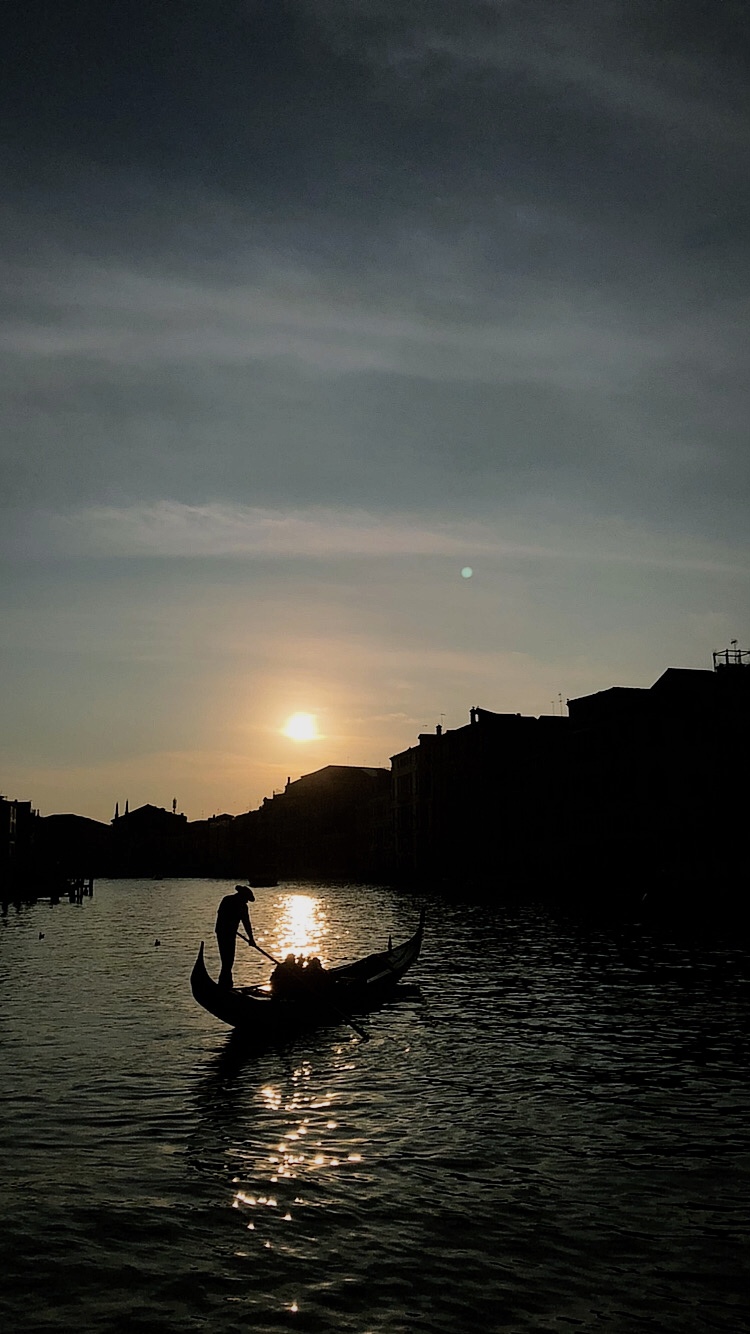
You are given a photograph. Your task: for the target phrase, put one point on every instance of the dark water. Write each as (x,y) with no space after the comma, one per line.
(553,1135)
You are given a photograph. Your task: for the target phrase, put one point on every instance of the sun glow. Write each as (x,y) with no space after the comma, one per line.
(301,727)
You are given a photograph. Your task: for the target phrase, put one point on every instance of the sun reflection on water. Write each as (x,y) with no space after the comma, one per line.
(280,1180)
(271,1097)
(301,926)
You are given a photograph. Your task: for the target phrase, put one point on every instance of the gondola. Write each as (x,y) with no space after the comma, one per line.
(352,988)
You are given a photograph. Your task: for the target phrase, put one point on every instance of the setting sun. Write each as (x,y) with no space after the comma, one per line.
(301,727)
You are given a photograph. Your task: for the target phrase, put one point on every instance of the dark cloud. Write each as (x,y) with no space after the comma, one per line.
(376,251)
(221,92)
(348,107)
(587,145)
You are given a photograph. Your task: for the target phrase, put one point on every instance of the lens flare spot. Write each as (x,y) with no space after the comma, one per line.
(466,572)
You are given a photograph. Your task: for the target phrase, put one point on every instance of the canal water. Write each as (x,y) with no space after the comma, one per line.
(551,1133)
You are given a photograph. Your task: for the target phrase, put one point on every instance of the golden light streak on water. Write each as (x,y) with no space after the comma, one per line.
(301,927)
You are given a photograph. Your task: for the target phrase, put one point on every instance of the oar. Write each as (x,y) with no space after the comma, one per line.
(254,945)
(324,1000)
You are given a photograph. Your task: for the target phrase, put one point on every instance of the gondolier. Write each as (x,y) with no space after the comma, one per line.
(232,914)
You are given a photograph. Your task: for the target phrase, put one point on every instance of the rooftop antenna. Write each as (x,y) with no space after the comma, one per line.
(732,657)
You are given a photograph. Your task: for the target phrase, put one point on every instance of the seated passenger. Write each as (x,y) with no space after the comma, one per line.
(284,976)
(316,979)
(298,977)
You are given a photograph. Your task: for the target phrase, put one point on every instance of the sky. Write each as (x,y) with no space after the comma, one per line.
(371,359)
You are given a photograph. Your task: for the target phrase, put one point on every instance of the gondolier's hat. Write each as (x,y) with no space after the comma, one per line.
(246,890)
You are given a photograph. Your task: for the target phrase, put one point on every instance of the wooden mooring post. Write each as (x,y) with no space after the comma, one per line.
(79,888)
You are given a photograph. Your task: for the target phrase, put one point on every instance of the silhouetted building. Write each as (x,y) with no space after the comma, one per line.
(17,820)
(481,804)
(71,847)
(328,823)
(150,841)
(662,774)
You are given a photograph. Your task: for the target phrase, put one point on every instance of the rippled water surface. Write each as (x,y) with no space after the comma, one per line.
(550,1134)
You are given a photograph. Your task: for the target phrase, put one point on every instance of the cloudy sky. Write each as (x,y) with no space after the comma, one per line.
(310,306)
